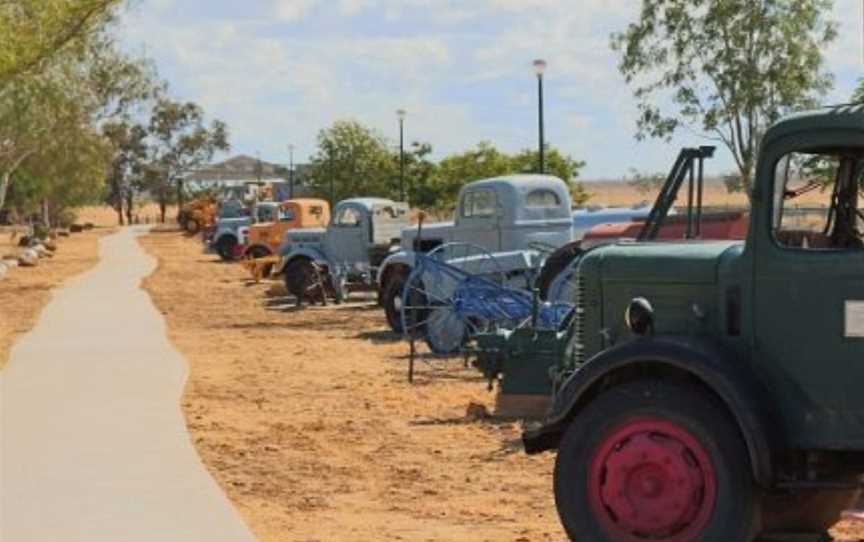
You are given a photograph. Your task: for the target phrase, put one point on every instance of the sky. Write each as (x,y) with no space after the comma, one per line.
(278,71)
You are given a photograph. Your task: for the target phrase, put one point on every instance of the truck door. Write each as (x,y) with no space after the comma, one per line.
(479,218)
(809,290)
(348,237)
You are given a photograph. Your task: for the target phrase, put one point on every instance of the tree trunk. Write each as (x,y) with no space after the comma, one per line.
(4,186)
(118,206)
(162,204)
(180,195)
(46,214)
(130,204)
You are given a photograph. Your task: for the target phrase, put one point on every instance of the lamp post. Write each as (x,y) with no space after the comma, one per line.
(290,171)
(401,113)
(539,69)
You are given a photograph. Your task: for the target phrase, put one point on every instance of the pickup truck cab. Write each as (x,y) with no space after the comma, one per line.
(344,256)
(264,239)
(502,214)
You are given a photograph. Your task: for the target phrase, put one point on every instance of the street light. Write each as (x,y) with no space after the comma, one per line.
(401,113)
(540,69)
(291,172)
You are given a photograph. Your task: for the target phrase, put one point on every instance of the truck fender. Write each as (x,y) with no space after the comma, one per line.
(733,384)
(401,258)
(304,252)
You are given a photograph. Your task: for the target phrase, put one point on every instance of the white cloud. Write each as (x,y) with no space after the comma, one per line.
(294,10)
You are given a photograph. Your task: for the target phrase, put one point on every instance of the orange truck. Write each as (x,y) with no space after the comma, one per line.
(261,241)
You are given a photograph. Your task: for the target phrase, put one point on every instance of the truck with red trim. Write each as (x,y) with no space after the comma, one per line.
(711,390)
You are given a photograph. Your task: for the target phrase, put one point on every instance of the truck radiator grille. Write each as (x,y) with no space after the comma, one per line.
(579,322)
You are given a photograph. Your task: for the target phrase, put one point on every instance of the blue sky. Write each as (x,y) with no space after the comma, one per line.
(280,70)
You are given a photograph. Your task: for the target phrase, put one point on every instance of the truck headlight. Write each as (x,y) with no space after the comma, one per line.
(639,316)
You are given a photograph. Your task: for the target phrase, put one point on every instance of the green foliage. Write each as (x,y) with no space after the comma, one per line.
(353,160)
(35,32)
(728,68)
(360,162)
(181,143)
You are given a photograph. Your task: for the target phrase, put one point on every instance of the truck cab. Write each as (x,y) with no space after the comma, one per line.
(505,215)
(347,253)
(264,238)
(226,239)
(712,388)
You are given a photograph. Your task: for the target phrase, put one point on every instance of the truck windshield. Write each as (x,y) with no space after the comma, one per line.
(818,200)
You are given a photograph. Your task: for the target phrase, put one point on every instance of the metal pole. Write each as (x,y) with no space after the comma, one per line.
(402,158)
(291,172)
(540,120)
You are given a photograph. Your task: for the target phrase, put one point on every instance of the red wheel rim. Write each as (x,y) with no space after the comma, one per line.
(651,479)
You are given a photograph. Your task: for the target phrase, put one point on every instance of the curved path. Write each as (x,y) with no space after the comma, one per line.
(93,445)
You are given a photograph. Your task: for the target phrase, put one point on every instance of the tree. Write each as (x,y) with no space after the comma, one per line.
(557,164)
(727,68)
(33,32)
(46,112)
(126,172)
(486,161)
(353,160)
(182,142)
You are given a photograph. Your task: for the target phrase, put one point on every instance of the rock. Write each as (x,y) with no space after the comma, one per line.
(62,232)
(89,225)
(3,270)
(9,262)
(76,228)
(29,258)
(51,246)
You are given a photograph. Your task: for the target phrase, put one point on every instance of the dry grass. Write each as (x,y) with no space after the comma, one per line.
(103,215)
(306,420)
(25,291)
(619,193)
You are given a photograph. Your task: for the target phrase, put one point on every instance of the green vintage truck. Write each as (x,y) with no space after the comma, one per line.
(714,390)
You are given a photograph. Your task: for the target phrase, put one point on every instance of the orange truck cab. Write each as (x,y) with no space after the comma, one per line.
(263,239)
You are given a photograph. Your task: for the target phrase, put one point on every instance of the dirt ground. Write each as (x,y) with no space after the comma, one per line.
(307,421)
(24,291)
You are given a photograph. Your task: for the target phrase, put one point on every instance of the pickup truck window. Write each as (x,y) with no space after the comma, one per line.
(542,199)
(348,218)
(479,204)
(265,214)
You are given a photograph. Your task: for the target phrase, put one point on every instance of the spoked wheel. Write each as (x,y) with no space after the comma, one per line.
(431,308)
(303,282)
(655,461)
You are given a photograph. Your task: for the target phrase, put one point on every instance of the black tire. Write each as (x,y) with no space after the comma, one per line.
(392,301)
(590,464)
(300,279)
(226,248)
(557,262)
(192,226)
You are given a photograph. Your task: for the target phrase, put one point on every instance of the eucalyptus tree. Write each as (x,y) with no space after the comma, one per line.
(725,68)
(181,143)
(34,32)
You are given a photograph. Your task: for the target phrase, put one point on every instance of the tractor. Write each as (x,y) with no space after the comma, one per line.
(709,390)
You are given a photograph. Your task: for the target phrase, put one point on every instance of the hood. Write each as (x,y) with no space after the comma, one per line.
(435,230)
(305,235)
(239,221)
(694,262)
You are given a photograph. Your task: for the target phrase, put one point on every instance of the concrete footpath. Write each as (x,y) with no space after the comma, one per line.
(93,445)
